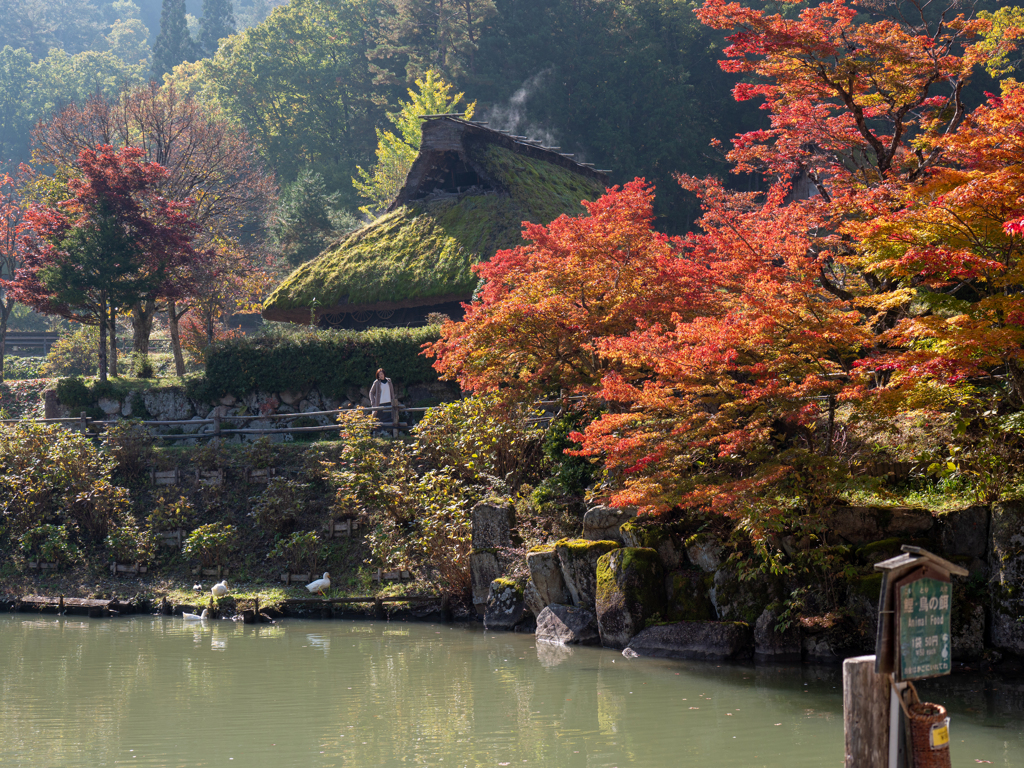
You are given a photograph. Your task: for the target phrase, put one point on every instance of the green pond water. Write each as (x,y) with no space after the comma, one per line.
(157,691)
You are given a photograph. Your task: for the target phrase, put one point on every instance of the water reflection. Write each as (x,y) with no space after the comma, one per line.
(160,691)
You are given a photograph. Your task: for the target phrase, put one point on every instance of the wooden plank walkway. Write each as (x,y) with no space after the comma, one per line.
(80,606)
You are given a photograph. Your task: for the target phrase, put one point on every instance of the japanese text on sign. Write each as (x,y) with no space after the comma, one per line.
(924,629)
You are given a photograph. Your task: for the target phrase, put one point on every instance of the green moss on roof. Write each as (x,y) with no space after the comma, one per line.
(426,249)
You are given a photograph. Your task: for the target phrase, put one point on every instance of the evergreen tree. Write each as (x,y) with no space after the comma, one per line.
(218,22)
(174,44)
(308,218)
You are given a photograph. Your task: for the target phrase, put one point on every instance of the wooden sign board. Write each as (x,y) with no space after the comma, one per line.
(924,628)
(913,635)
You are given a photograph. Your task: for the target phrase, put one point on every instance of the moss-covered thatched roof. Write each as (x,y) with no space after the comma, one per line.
(465,198)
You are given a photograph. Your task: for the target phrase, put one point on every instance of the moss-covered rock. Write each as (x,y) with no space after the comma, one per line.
(687,596)
(665,539)
(483,568)
(578,560)
(506,605)
(737,599)
(629,592)
(546,576)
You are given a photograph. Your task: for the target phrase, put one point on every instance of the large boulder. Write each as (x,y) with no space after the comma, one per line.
(655,536)
(534,602)
(709,640)
(492,526)
(738,599)
(578,559)
(706,554)
(687,596)
(506,605)
(771,644)
(483,568)
(862,525)
(629,592)
(968,632)
(1006,582)
(964,532)
(546,575)
(567,625)
(603,523)
(168,404)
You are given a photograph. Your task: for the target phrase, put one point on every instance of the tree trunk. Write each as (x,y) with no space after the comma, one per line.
(112,359)
(172,321)
(5,313)
(142,325)
(103,339)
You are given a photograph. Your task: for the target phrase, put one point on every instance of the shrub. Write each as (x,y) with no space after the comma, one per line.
(49,543)
(22,368)
(278,507)
(260,454)
(481,436)
(74,355)
(130,444)
(142,366)
(128,543)
(171,514)
(51,475)
(332,361)
(301,551)
(74,393)
(210,456)
(210,544)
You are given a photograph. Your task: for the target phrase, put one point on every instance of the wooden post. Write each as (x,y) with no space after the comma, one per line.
(84,422)
(216,422)
(865,714)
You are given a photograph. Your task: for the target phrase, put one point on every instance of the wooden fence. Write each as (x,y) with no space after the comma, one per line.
(90,427)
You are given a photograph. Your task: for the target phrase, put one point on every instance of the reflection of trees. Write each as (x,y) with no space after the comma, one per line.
(82,692)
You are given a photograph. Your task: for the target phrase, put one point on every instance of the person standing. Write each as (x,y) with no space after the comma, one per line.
(382,394)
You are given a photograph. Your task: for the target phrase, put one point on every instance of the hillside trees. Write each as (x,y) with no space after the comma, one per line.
(113,241)
(174,44)
(208,159)
(300,83)
(14,232)
(894,288)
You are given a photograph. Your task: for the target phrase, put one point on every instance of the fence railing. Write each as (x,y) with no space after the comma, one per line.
(91,427)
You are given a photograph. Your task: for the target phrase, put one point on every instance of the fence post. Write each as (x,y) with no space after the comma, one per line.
(84,422)
(865,714)
(216,423)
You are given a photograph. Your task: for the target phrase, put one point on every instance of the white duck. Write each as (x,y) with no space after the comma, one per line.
(195,617)
(219,590)
(320,584)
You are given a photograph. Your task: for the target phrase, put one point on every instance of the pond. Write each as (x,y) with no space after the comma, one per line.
(159,691)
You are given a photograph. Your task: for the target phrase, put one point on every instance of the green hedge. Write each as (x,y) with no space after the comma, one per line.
(331,361)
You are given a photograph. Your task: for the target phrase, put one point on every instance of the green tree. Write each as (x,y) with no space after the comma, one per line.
(218,22)
(174,43)
(396,152)
(307,217)
(301,85)
(17,93)
(439,35)
(128,40)
(62,78)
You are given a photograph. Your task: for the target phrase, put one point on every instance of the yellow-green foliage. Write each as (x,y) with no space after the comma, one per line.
(427,249)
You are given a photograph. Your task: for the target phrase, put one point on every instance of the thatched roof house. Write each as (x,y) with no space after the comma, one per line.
(465,198)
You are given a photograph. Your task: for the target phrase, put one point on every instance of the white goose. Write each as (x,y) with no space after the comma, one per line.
(195,617)
(320,584)
(219,590)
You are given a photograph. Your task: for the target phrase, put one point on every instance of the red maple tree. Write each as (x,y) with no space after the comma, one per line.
(113,241)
